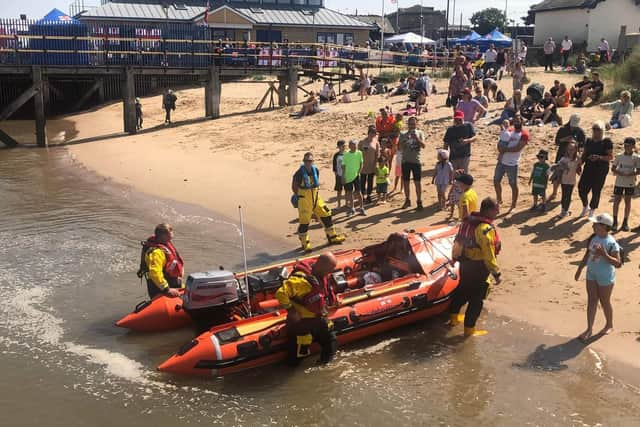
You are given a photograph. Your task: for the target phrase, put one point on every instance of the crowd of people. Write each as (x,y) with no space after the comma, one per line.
(395,149)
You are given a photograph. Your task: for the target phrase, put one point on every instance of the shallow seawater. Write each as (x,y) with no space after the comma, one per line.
(67,272)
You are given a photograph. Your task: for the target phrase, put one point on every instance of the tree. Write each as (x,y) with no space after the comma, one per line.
(489,19)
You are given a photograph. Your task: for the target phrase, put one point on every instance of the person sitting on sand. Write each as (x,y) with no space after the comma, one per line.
(622,110)
(601,259)
(327,93)
(546,110)
(311,105)
(421,102)
(345,98)
(593,90)
(576,90)
(401,89)
(562,97)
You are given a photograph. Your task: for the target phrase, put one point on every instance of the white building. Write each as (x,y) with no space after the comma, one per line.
(584,20)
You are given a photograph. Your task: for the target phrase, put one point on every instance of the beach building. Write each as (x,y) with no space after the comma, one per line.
(584,21)
(417,18)
(302,21)
(377,24)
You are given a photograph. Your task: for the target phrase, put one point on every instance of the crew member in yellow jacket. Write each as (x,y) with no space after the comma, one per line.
(304,294)
(161,264)
(305,185)
(476,248)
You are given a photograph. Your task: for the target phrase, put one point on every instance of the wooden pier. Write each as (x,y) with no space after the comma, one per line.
(211,78)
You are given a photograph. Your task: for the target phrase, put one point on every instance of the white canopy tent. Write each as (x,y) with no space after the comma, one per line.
(412,38)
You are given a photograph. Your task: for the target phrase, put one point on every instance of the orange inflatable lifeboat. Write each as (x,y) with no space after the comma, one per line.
(164,313)
(418,280)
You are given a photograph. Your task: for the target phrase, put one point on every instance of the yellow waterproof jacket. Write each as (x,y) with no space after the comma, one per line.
(486,239)
(156,259)
(295,287)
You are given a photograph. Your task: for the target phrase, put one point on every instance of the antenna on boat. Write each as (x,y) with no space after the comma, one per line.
(244,255)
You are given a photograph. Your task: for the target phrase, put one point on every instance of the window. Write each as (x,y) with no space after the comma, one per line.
(306,12)
(284,1)
(268,1)
(300,2)
(256,10)
(315,2)
(335,38)
(180,6)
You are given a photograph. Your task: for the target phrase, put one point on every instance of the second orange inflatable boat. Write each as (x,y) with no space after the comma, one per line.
(417,282)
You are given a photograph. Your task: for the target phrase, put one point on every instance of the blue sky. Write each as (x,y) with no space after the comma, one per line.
(516,8)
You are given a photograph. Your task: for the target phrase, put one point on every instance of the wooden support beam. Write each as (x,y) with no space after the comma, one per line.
(282,92)
(129,101)
(18,102)
(212,93)
(293,86)
(84,98)
(38,103)
(101,97)
(7,140)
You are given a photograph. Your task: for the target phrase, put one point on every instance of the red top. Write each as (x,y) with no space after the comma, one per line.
(385,126)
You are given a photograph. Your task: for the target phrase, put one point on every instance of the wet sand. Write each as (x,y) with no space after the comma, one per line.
(248,158)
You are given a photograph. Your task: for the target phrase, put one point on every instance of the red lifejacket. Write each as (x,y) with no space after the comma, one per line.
(174,264)
(315,300)
(466,236)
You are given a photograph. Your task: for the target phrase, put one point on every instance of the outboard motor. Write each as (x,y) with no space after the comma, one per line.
(210,296)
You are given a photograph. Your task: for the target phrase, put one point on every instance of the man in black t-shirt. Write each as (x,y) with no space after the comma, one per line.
(458,139)
(593,90)
(576,90)
(547,110)
(571,132)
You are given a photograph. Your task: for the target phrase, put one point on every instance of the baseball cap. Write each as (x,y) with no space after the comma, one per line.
(604,219)
(459,114)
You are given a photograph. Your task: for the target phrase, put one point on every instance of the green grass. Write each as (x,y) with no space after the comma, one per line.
(624,77)
(258,77)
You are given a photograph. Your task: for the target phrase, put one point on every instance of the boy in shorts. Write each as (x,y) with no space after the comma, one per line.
(382,180)
(625,167)
(337,169)
(539,179)
(352,162)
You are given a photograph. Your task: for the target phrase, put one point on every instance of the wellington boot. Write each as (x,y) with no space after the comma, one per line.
(473,332)
(333,237)
(305,242)
(337,239)
(455,319)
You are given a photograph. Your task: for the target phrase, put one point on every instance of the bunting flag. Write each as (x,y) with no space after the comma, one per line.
(206,12)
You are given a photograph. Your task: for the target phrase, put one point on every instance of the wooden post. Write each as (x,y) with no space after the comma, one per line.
(38,102)
(101,90)
(293,86)
(212,93)
(282,91)
(129,101)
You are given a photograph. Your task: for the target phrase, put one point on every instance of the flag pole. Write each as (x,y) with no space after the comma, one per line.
(382,32)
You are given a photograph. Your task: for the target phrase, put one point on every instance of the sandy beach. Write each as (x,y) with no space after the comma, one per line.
(247,158)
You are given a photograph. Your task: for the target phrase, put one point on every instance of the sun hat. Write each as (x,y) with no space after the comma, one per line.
(444,154)
(459,114)
(604,219)
(574,120)
(138,100)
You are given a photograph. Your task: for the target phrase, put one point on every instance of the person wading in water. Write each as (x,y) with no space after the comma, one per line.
(476,247)
(161,264)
